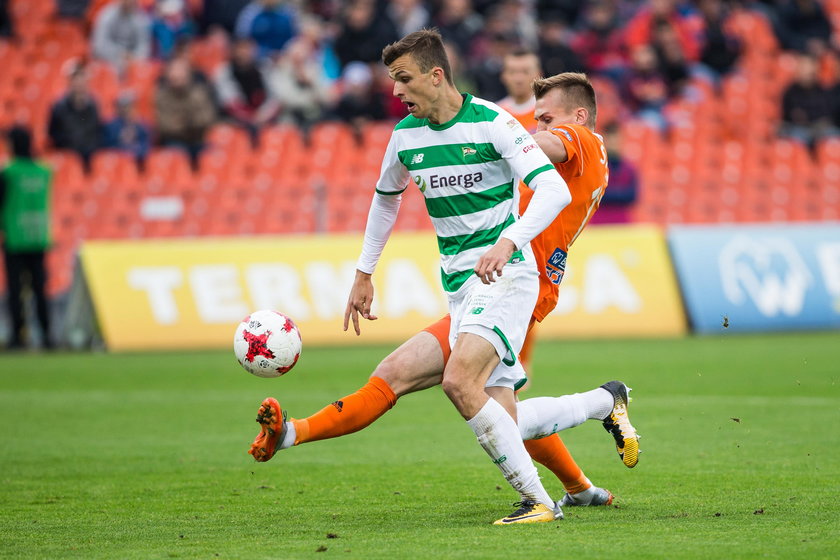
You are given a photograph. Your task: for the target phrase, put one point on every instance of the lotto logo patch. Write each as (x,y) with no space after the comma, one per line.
(555,267)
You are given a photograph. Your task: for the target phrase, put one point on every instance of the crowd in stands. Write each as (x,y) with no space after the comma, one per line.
(303,62)
(164,118)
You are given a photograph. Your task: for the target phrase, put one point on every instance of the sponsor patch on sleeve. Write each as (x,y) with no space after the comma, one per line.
(555,267)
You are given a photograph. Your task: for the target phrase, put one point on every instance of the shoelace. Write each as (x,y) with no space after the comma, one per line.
(525,506)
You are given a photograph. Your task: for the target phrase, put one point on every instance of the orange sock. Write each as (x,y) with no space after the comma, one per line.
(347,415)
(552,452)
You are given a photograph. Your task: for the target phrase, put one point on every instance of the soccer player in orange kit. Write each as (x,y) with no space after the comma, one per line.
(565,113)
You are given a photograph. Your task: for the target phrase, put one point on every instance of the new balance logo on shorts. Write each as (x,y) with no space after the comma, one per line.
(555,268)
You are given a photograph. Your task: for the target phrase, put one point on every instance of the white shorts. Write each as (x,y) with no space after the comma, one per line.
(499,312)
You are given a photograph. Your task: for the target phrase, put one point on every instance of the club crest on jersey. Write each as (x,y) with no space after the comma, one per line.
(555,268)
(467,151)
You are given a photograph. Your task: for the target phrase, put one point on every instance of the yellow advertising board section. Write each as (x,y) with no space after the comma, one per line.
(182,294)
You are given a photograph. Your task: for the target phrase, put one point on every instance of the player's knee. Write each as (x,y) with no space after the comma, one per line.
(455,389)
(396,374)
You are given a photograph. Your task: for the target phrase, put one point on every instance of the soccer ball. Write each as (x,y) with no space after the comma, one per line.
(267,343)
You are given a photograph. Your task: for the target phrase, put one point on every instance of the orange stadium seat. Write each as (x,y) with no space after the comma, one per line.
(167,171)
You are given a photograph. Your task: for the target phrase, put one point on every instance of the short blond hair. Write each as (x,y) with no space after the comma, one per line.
(577,88)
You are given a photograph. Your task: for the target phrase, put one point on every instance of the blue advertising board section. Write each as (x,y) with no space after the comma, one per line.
(759,278)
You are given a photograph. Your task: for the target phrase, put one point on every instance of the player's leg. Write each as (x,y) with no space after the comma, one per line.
(473,359)
(417,364)
(526,353)
(14,269)
(542,416)
(488,328)
(550,451)
(38,276)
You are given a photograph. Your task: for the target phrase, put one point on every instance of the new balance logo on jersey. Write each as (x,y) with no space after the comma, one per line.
(555,268)
(466,181)
(417,158)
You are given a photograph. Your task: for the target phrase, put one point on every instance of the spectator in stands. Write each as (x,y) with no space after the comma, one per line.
(314,33)
(617,201)
(126,132)
(122,33)
(74,119)
(407,16)
(460,73)
(171,24)
(298,83)
(521,67)
(640,29)
(808,107)
(363,33)
(458,24)
(645,89)
(720,47)
(568,11)
(671,58)
(184,108)
(270,23)
(25,187)
(6,27)
(241,88)
(600,42)
(555,53)
(803,26)
(358,104)
(487,71)
(220,14)
(71,9)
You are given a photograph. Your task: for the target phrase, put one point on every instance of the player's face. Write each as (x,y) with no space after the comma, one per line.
(518,73)
(550,111)
(414,88)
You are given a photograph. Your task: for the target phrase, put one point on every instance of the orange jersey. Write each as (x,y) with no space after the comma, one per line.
(524,112)
(586,173)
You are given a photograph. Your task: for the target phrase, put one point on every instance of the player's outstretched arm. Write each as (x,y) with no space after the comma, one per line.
(359,302)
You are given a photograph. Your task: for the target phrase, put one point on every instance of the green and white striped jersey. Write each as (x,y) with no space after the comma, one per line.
(468,171)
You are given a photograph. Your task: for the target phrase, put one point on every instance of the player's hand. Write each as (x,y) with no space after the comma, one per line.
(491,263)
(359,302)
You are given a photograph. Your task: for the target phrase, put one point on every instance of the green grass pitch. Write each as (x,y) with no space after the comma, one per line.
(144,456)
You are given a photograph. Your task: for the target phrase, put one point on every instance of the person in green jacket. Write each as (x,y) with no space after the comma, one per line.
(25,187)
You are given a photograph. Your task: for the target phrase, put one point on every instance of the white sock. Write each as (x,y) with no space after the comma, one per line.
(289,438)
(498,435)
(543,416)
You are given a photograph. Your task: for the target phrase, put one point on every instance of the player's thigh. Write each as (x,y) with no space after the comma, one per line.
(416,365)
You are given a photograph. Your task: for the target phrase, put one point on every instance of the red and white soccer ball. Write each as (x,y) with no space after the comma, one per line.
(267,343)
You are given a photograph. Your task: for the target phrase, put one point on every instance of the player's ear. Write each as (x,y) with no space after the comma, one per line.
(437,75)
(581,115)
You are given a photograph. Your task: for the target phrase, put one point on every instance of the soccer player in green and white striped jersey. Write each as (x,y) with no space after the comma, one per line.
(467,155)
